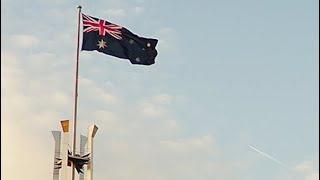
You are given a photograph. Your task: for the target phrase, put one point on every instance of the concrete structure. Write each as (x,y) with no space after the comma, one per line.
(64,150)
(83,142)
(63,157)
(57,160)
(91,133)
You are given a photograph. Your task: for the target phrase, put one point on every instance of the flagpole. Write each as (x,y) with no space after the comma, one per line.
(74,135)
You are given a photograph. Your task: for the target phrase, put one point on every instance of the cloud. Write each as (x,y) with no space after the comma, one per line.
(159,105)
(123,12)
(167,39)
(25,40)
(24,126)
(115,13)
(96,93)
(23,149)
(155,106)
(184,145)
(9,71)
(308,168)
(163,99)
(152,110)
(313,176)
(139,9)
(110,122)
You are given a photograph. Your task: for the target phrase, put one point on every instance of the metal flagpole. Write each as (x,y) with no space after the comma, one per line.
(74,135)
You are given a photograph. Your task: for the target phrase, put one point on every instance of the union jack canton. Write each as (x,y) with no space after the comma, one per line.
(95,24)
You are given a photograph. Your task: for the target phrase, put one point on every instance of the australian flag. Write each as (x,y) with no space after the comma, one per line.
(115,40)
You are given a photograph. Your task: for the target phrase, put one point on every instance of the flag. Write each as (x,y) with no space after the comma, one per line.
(115,40)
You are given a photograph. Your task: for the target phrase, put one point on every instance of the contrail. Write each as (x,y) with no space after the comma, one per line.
(268,156)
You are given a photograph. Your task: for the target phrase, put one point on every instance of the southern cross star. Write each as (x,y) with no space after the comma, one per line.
(102,44)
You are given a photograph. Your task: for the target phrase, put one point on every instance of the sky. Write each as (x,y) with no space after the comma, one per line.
(229,76)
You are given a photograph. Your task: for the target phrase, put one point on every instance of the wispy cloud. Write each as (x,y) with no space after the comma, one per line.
(114,13)
(96,93)
(182,145)
(139,9)
(163,99)
(26,126)
(167,39)
(308,168)
(24,40)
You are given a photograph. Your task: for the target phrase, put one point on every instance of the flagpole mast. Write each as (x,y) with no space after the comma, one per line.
(74,134)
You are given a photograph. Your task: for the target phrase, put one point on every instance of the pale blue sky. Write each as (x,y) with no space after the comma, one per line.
(229,74)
